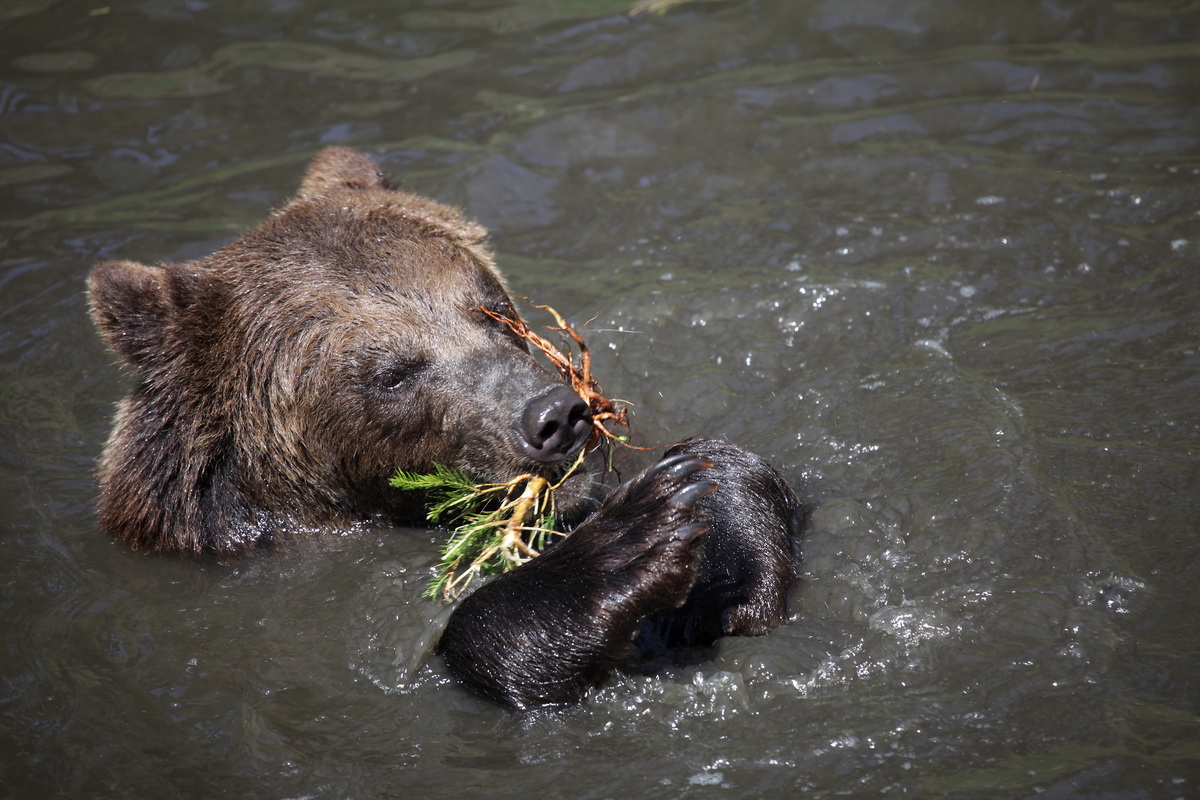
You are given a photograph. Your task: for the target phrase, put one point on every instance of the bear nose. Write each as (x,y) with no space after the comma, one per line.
(554,425)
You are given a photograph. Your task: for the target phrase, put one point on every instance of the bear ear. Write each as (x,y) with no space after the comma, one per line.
(340,168)
(130,306)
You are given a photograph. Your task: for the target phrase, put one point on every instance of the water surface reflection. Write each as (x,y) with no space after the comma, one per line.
(938,263)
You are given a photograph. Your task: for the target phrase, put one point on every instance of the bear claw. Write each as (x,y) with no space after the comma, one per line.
(689,532)
(688,495)
(679,466)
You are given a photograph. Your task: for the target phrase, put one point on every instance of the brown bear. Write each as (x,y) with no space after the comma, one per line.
(282,380)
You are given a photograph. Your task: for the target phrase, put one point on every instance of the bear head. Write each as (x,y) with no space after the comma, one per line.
(281,381)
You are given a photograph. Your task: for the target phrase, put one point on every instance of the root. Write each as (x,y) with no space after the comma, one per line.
(578,376)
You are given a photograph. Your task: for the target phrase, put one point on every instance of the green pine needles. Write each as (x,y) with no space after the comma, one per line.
(500,525)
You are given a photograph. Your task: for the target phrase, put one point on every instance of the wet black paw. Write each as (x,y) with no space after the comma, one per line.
(748,562)
(644,541)
(546,632)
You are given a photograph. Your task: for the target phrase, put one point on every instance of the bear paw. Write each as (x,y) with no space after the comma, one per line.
(747,566)
(548,631)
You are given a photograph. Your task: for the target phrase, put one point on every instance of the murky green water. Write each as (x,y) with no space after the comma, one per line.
(936,260)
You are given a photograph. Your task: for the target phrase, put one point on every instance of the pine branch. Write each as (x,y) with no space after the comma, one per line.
(500,525)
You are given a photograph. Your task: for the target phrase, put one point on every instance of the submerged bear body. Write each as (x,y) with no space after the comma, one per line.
(279,382)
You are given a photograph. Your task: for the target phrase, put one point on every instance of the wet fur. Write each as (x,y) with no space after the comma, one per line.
(748,564)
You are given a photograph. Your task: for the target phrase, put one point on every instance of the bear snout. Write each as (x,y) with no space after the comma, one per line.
(554,426)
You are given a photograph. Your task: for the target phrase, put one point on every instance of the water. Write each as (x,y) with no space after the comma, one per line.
(937,261)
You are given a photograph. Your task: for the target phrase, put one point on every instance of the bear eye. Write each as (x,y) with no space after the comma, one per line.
(396,371)
(502,308)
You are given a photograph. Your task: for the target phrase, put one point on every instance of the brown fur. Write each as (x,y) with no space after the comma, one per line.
(258,408)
